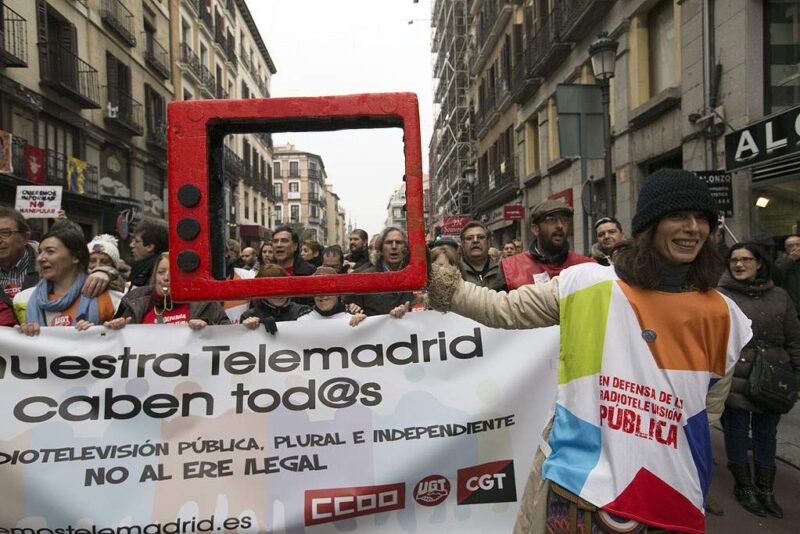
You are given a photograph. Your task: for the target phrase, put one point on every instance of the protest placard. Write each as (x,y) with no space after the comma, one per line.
(38,201)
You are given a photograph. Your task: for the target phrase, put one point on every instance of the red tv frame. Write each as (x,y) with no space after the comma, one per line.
(196,179)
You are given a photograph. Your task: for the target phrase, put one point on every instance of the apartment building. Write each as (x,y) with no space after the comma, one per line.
(396,209)
(690,77)
(220,54)
(83,92)
(334,219)
(299,185)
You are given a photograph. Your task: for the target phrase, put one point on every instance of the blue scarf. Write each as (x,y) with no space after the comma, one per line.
(39,303)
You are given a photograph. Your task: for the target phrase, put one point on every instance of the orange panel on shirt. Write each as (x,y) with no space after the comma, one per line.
(105,308)
(691,328)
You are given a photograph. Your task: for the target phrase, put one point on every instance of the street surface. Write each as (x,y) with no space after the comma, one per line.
(787,487)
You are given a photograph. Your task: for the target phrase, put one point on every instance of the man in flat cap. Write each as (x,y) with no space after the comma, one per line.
(549,253)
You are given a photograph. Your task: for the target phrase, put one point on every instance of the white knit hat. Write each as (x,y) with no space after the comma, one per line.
(105,244)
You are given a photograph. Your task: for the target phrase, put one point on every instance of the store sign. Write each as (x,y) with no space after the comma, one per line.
(513,212)
(453,224)
(765,140)
(721,187)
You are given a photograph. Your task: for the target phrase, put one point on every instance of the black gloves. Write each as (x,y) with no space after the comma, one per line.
(270,325)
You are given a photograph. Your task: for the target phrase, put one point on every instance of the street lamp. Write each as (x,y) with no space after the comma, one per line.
(468,174)
(603,53)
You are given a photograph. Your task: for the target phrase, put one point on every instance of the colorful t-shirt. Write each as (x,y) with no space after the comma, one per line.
(630,432)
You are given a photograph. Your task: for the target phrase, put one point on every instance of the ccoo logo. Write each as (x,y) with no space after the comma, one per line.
(487,483)
(432,490)
(328,505)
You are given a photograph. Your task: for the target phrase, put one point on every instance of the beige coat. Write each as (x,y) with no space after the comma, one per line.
(531,306)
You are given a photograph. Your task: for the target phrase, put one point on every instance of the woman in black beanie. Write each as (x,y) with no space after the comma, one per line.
(652,322)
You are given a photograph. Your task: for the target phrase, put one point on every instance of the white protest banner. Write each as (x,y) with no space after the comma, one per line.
(38,201)
(423,424)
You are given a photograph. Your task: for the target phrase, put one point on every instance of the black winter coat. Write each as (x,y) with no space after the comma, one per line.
(262,309)
(776,330)
(787,275)
(379,303)
(136,301)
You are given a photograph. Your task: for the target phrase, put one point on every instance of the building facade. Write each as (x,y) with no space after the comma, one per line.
(220,54)
(334,219)
(396,209)
(687,74)
(83,92)
(299,182)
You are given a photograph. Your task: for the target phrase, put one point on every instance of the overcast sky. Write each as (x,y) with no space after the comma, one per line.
(327,47)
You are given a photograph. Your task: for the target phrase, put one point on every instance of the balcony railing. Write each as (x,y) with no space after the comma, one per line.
(313,174)
(123,110)
(545,47)
(220,38)
(522,85)
(314,196)
(190,60)
(69,75)
(488,106)
(13,39)
(501,179)
(580,15)
(55,173)
(207,80)
(233,163)
(119,19)
(156,133)
(156,55)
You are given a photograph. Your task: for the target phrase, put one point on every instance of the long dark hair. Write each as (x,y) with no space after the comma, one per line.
(71,235)
(637,262)
(756,250)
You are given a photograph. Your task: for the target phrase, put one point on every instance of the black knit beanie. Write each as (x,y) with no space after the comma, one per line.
(669,190)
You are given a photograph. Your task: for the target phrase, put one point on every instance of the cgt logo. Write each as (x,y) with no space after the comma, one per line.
(487,483)
(328,505)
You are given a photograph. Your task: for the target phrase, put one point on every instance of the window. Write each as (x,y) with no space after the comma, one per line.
(153,191)
(294,213)
(246,205)
(155,108)
(279,212)
(294,168)
(294,187)
(661,42)
(277,190)
(276,168)
(781,54)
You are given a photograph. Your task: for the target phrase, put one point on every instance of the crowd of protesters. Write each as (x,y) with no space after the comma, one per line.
(671,255)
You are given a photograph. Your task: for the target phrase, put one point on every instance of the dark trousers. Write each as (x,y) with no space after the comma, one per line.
(738,424)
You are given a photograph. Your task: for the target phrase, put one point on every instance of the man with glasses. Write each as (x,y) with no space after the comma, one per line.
(787,269)
(549,253)
(478,268)
(18,260)
(608,232)
(392,247)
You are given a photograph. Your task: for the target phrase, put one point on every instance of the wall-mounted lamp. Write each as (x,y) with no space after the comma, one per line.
(762,202)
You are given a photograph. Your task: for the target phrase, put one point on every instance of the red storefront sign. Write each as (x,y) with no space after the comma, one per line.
(513,212)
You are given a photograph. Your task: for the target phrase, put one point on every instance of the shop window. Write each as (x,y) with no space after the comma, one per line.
(775,208)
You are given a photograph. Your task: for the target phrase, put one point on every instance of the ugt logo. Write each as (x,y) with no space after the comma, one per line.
(487,483)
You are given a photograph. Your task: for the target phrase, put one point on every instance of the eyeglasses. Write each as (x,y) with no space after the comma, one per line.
(746,260)
(475,238)
(553,219)
(5,234)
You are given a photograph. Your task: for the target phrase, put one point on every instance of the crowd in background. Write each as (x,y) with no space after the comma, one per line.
(66,280)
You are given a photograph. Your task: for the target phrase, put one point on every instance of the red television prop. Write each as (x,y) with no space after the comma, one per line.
(196,131)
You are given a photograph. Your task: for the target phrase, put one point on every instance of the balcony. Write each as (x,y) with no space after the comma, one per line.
(69,75)
(119,19)
(315,196)
(123,111)
(156,55)
(500,185)
(545,49)
(13,39)
(293,195)
(487,114)
(220,39)
(233,164)
(221,93)
(246,61)
(522,86)
(230,51)
(579,17)
(156,135)
(494,16)
(191,62)
(55,173)
(314,219)
(314,174)
(207,80)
